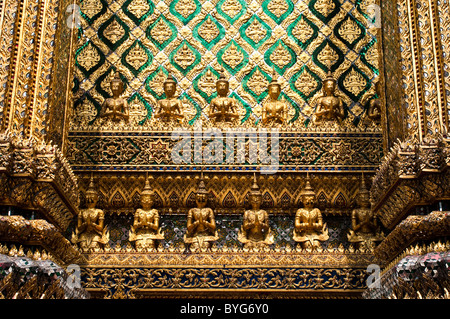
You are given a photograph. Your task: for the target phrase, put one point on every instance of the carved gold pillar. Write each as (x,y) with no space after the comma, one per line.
(423,33)
(35,58)
(36,44)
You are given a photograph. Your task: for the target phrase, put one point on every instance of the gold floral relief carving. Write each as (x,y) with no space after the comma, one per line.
(354,82)
(280,56)
(184,57)
(139,7)
(349,30)
(161,31)
(208,30)
(302,31)
(325,7)
(91,7)
(89,57)
(278,7)
(185,7)
(114,31)
(232,56)
(231,7)
(255,31)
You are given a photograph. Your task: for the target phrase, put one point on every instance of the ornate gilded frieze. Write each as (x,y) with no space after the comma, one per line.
(228,193)
(246,40)
(233,271)
(225,151)
(123,282)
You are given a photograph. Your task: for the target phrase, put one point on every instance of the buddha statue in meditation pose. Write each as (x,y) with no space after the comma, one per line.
(255,231)
(116,107)
(222,108)
(309,229)
(145,231)
(169,109)
(273,111)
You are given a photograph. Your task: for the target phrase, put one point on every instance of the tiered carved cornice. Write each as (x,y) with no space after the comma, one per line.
(411,174)
(412,229)
(36,176)
(16,229)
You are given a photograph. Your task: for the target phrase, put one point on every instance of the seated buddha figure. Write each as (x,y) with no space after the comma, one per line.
(255,231)
(329,106)
(201,224)
(365,231)
(90,232)
(222,108)
(145,231)
(309,229)
(169,109)
(273,111)
(116,107)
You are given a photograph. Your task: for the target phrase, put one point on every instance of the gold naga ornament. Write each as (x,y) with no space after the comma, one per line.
(201,224)
(146,231)
(255,231)
(309,228)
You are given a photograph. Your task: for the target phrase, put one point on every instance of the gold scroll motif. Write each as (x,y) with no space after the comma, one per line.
(349,31)
(325,7)
(302,31)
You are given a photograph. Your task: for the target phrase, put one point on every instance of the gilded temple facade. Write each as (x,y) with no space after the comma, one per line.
(224,148)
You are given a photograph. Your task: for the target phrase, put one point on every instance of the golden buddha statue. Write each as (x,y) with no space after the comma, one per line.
(116,107)
(90,232)
(255,231)
(222,107)
(365,231)
(273,111)
(329,106)
(145,230)
(374,110)
(309,229)
(169,109)
(201,224)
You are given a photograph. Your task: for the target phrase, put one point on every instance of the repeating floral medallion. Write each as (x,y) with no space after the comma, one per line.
(247,41)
